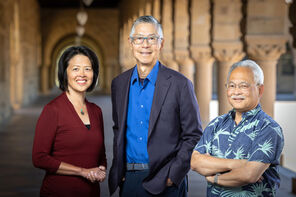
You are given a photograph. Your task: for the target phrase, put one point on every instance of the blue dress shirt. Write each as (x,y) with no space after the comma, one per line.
(256,138)
(139,107)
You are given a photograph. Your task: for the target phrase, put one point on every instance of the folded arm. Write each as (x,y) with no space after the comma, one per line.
(250,172)
(208,165)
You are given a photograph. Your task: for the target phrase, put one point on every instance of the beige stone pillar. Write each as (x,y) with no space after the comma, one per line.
(126,57)
(130,60)
(16,65)
(110,73)
(141,12)
(156,10)
(124,48)
(292,18)
(266,42)
(266,52)
(45,79)
(201,53)
(121,47)
(181,39)
(294,58)
(148,7)
(227,45)
(167,54)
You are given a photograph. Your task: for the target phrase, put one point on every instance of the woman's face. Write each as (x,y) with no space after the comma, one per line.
(79,73)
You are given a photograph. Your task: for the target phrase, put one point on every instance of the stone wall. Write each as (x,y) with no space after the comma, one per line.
(19,57)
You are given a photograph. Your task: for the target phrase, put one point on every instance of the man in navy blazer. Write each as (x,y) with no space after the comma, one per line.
(156,121)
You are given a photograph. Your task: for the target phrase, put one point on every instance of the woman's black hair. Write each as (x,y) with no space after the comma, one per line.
(68,54)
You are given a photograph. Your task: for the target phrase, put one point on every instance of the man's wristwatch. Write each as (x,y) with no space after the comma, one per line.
(216,179)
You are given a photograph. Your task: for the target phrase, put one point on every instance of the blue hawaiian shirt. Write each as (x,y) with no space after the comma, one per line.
(256,138)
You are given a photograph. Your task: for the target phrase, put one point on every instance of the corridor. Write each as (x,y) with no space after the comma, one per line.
(18,177)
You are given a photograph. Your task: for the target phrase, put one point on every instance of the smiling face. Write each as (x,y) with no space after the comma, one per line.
(146,54)
(79,73)
(248,95)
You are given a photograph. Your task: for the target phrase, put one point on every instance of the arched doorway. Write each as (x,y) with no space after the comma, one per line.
(64,43)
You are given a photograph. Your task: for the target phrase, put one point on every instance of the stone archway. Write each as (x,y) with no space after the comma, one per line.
(49,71)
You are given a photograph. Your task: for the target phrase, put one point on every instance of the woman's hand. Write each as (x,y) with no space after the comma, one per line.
(94,174)
(89,173)
(101,174)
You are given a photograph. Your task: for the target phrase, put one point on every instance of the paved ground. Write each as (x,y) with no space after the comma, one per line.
(18,178)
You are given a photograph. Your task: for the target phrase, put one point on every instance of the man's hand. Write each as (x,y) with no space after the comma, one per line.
(210,178)
(169,182)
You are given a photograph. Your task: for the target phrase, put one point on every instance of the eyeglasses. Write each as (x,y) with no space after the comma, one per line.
(242,86)
(137,40)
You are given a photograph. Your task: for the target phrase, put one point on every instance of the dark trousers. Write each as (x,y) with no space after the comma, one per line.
(132,186)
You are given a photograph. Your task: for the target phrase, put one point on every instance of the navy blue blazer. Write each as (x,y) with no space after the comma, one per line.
(174,129)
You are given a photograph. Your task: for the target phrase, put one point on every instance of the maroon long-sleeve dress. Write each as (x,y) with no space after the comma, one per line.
(61,136)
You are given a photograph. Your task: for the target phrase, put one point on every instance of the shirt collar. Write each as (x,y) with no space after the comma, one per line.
(250,113)
(152,76)
(134,77)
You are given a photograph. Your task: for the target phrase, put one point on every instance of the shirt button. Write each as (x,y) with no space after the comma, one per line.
(141,122)
(229,144)
(141,138)
(142,106)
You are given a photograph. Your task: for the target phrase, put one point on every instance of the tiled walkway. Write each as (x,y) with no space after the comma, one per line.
(18,178)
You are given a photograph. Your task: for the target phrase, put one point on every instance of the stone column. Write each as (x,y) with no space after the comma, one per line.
(126,58)
(292,17)
(266,50)
(202,55)
(167,55)
(16,65)
(227,45)
(148,7)
(181,39)
(266,42)
(123,55)
(130,60)
(156,9)
(6,13)
(294,60)
(121,47)
(45,79)
(141,12)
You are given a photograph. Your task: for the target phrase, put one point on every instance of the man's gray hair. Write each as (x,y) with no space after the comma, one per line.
(147,19)
(257,71)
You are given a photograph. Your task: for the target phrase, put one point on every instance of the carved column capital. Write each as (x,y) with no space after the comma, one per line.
(228,51)
(264,48)
(201,53)
(181,54)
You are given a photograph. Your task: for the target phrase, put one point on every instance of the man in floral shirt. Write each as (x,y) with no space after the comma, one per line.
(239,151)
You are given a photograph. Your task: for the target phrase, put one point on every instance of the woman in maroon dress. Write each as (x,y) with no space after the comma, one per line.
(69,136)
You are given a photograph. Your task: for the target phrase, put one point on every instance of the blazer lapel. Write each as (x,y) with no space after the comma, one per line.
(160,92)
(123,98)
